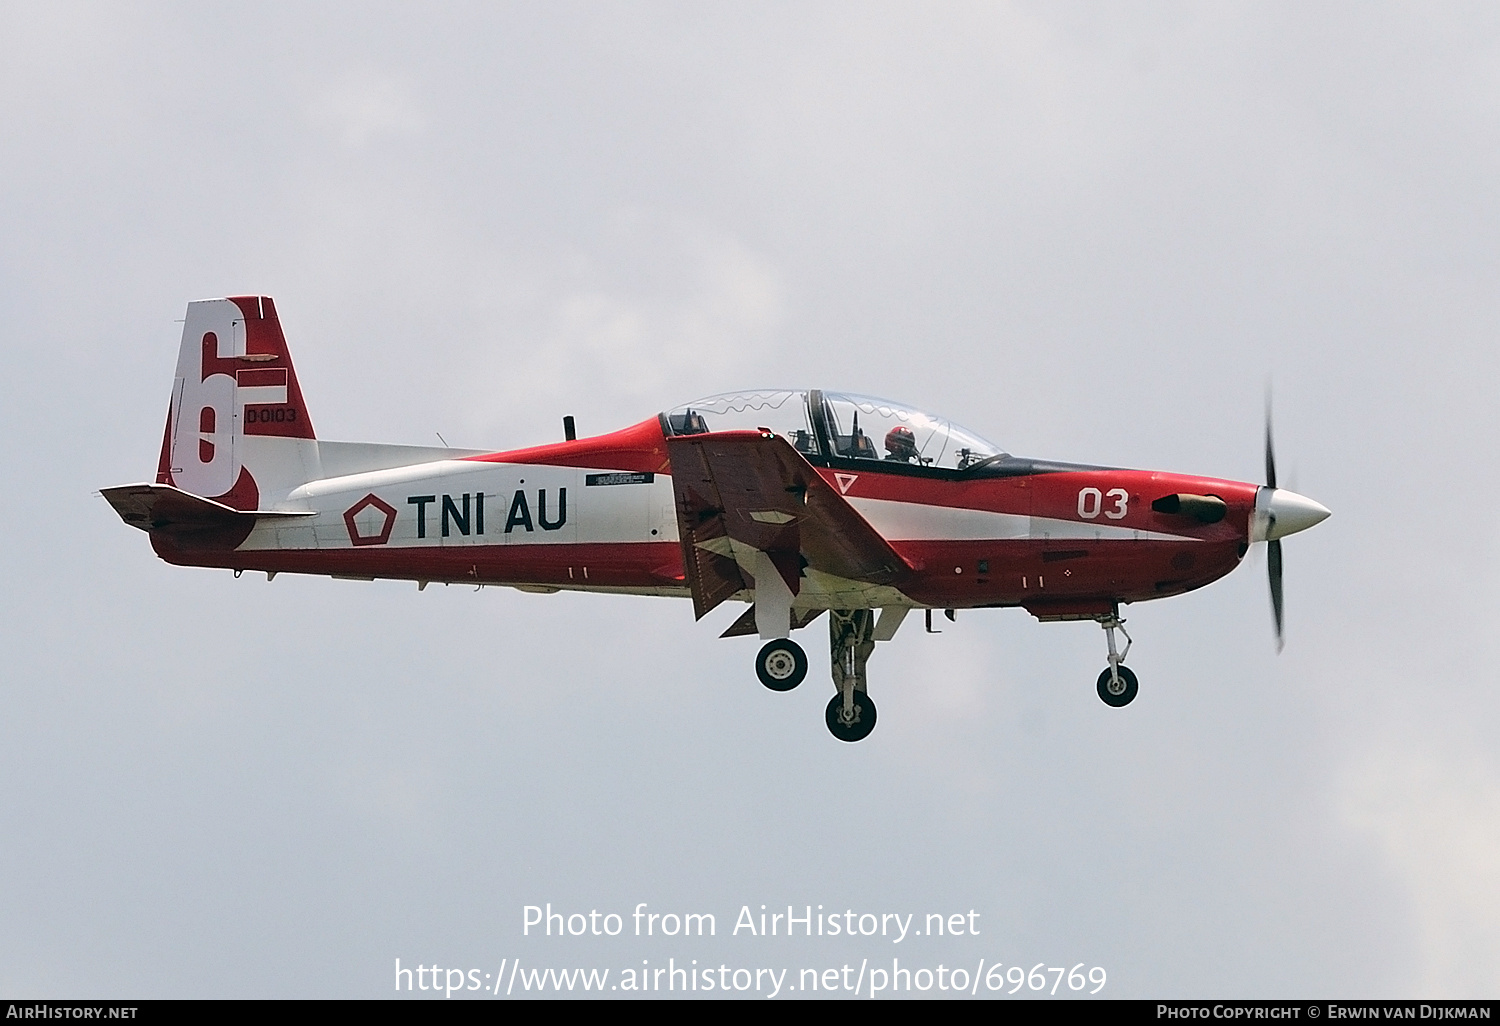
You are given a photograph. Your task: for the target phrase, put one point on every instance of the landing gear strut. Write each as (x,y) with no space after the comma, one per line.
(1117,685)
(851,639)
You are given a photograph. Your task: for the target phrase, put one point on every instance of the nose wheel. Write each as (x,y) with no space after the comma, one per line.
(1117,685)
(1117,689)
(781,664)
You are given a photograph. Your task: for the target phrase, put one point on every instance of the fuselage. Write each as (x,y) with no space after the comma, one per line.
(598,514)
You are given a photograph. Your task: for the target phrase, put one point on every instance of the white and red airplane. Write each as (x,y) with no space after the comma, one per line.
(794,501)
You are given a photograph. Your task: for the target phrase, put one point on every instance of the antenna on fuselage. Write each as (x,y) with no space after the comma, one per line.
(570,432)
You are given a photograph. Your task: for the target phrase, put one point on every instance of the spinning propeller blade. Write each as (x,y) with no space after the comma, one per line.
(1273,566)
(1273,548)
(1270,452)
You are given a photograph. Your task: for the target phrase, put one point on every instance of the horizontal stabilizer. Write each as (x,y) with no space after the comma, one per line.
(158,507)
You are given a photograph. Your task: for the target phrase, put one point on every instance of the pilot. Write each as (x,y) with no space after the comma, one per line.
(901,445)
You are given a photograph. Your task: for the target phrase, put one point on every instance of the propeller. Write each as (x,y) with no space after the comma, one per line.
(1278,513)
(1273,547)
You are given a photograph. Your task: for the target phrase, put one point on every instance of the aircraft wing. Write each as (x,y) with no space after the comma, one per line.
(753,489)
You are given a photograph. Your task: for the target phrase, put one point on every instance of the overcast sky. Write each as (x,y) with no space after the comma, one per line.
(1087,232)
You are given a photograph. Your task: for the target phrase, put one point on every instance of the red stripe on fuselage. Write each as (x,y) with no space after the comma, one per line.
(992,494)
(1055,496)
(640,448)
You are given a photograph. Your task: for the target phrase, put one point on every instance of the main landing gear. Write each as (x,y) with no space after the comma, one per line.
(851,639)
(1117,685)
(781,665)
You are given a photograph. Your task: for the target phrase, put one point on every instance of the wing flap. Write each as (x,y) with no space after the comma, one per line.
(707,555)
(752,488)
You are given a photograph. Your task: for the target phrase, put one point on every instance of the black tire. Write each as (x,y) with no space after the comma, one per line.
(781,664)
(864,718)
(1126,695)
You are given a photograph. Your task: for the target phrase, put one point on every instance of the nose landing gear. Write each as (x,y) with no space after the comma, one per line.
(1117,684)
(1117,690)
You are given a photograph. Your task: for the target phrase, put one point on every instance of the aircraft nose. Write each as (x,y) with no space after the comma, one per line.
(1287,513)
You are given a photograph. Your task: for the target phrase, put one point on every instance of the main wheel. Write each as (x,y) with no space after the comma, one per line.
(864,718)
(781,664)
(1119,694)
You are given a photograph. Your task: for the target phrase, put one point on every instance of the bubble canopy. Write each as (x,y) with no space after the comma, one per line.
(839,425)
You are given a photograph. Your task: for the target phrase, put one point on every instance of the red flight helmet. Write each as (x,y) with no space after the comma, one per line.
(901,443)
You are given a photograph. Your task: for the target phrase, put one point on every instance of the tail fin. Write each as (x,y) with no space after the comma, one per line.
(237,428)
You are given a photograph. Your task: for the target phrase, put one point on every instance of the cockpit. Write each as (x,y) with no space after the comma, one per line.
(839,425)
